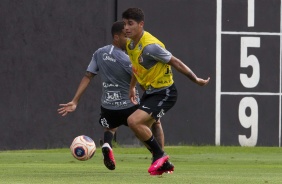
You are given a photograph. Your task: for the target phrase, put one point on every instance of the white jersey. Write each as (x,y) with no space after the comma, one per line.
(115,69)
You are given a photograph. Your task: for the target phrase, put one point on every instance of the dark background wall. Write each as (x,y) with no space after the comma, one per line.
(45,47)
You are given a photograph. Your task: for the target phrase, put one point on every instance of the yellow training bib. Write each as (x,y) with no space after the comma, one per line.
(158,76)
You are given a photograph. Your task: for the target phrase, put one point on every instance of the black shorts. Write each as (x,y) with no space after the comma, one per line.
(158,103)
(115,118)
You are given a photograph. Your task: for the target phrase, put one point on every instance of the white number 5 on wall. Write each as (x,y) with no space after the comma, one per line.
(251,60)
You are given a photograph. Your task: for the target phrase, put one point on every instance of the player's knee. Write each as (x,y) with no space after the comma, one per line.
(131,121)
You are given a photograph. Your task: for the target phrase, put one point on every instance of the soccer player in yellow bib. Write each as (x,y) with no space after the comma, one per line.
(151,65)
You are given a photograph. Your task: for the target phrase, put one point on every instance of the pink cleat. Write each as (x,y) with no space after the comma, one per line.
(158,163)
(109,159)
(167,167)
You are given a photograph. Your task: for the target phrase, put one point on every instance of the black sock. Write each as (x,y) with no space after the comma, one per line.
(150,150)
(108,137)
(155,147)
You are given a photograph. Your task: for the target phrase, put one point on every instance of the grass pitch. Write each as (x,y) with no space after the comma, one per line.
(195,165)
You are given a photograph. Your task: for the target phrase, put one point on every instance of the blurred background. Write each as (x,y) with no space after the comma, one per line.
(46,46)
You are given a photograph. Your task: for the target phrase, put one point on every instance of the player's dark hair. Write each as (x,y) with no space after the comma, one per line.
(117,27)
(134,14)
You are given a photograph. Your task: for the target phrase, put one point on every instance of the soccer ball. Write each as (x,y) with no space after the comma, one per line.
(83,147)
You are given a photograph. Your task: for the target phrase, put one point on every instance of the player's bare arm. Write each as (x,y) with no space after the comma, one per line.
(82,86)
(184,69)
(89,75)
(71,106)
(132,92)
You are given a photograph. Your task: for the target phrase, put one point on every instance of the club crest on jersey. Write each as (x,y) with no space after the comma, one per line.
(140,46)
(131,45)
(140,59)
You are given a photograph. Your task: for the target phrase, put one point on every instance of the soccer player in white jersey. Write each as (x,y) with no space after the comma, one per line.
(114,67)
(151,64)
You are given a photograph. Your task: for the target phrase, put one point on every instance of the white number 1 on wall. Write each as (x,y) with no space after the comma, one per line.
(251,13)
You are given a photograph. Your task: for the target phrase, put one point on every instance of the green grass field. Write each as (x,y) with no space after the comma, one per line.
(204,164)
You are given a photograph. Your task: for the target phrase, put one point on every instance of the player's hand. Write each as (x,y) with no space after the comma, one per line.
(66,108)
(132,96)
(202,82)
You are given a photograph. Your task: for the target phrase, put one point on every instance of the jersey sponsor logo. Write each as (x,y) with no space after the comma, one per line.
(120,104)
(112,96)
(115,104)
(107,57)
(168,70)
(161,114)
(107,85)
(164,81)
